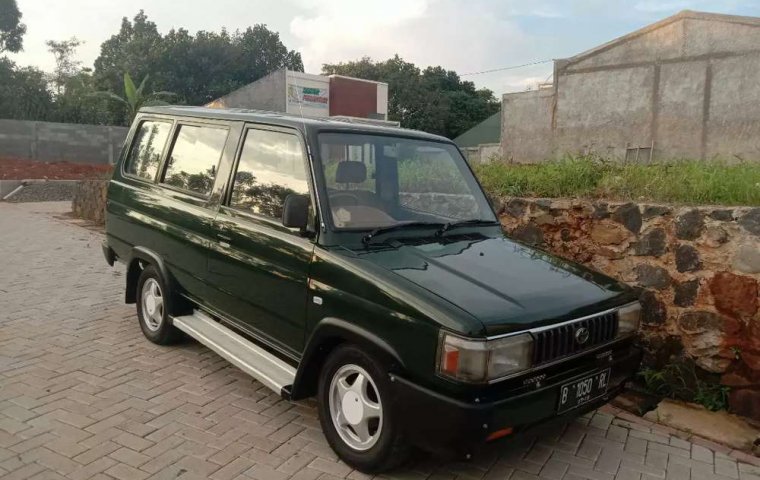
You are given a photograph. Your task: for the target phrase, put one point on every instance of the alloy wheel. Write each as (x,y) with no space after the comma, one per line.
(152,304)
(355,407)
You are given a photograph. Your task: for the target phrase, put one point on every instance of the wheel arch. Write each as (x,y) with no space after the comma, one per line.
(140,255)
(329,333)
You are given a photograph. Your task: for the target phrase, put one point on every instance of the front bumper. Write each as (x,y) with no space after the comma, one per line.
(449,426)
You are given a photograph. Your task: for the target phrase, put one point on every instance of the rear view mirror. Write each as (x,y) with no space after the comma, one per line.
(295,211)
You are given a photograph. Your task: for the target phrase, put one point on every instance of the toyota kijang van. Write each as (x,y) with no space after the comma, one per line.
(362,265)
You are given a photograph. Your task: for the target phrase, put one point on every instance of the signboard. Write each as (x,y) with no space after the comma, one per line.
(312,97)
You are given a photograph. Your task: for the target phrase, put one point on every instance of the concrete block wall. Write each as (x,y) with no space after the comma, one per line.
(483,153)
(684,88)
(51,142)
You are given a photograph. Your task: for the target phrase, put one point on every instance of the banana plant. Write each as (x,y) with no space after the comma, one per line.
(134,97)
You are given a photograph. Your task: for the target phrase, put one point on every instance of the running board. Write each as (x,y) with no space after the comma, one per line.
(244,354)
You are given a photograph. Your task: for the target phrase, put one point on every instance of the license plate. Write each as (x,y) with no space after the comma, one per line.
(583,390)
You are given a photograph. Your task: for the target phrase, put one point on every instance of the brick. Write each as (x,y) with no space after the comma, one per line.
(264,472)
(701,453)
(617,433)
(125,472)
(636,467)
(657,459)
(680,443)
(338,469)
(589,473)
(296,462)
(129,457)
(98,466)
(726,468)
(553,470)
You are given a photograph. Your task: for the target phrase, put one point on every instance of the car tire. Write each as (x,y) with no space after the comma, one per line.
(152,308)
(355,411)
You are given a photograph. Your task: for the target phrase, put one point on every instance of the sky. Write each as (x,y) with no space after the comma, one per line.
(467,36)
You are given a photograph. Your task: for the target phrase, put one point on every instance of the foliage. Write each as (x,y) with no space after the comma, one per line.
(681,380)
(687,181)
(77,104)
(135,97)
(65,64)
(23,92)
(11,29)
(433,100)
(197,68)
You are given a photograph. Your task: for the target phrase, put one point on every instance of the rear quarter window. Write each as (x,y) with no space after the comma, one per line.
(147,146)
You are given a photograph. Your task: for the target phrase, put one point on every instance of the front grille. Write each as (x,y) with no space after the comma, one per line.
(558,342)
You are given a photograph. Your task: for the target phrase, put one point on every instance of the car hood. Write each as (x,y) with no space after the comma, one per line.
(504,284)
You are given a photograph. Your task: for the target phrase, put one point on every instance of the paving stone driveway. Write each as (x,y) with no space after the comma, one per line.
(84,395)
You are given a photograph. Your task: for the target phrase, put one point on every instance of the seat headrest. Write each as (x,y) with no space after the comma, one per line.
(351,172)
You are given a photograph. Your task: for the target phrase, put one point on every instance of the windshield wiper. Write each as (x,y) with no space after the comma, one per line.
(462,223)
(398,226)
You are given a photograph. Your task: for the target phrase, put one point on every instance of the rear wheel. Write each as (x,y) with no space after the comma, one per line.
(152,308)
(355,413)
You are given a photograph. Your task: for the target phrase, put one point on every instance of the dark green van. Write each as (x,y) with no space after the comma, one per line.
(362,265)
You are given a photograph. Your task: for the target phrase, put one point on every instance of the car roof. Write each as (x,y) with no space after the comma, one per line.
(312,124)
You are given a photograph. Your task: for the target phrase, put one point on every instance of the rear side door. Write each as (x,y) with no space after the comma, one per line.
(260,268)
(186,209)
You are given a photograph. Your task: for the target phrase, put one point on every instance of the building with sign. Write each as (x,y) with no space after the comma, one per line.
(310,95)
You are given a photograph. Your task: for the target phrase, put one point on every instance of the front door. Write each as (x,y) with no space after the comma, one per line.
(260,268)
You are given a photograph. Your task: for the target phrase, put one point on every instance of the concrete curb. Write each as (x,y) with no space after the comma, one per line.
(8,188)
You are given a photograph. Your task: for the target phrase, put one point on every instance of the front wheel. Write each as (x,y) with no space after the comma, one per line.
(355,411)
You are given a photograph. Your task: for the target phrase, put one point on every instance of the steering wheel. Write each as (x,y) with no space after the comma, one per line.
(354,200)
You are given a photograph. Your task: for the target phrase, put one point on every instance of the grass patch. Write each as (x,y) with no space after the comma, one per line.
(687,181)
(681,380)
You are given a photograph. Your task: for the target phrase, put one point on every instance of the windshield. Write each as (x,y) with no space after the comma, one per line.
(376,181)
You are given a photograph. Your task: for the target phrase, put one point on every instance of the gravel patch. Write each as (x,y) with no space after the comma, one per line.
(45,192)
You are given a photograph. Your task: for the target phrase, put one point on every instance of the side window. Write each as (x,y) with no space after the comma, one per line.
(194,158)
(147,146)
(270,168)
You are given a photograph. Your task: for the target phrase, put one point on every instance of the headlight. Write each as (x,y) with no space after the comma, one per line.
(483,360)
(629,318)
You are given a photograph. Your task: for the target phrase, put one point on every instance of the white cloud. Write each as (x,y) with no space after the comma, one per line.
(425,32)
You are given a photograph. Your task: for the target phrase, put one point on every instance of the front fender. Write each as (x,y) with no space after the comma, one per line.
(327,334)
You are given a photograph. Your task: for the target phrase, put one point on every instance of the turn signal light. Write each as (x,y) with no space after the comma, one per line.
(499,434)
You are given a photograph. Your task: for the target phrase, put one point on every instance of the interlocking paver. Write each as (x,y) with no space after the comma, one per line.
(84,395)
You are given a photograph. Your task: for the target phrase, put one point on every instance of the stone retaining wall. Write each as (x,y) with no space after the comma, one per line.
(89,200)
(698,268)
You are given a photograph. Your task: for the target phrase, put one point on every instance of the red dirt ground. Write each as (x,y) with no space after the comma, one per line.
(18,169)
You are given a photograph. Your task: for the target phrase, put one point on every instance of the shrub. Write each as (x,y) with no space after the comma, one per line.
(687,181)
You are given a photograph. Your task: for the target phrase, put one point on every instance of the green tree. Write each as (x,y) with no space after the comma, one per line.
(11,29)
(24,93)
(135,97)
(435,100)
(66,66)
(77,104)
(197,68)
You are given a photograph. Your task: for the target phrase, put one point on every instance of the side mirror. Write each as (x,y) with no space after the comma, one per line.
(295,211)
